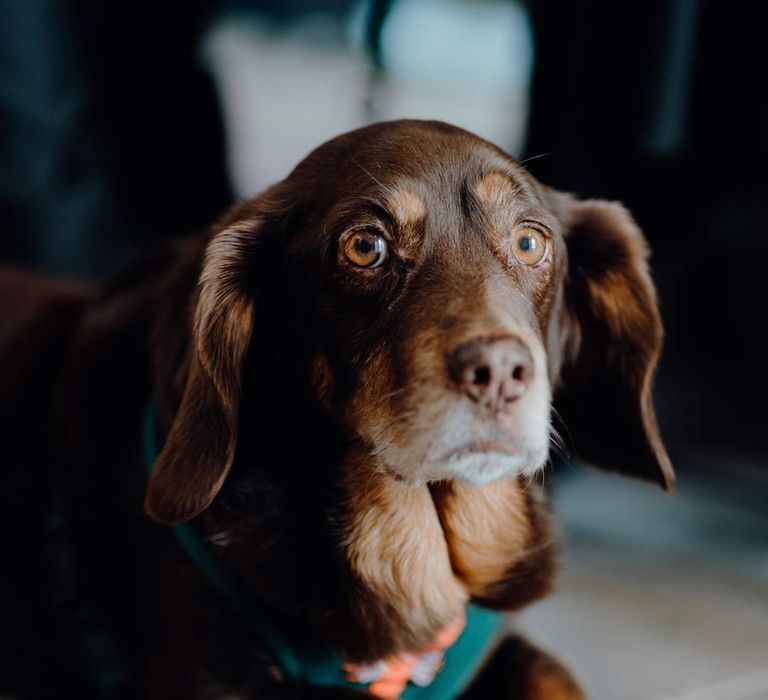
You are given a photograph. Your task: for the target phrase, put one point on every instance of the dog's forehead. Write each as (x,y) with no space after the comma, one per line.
(415,177)
(435,158)
(434,168)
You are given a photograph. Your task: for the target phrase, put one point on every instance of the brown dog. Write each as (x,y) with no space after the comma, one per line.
(353,378)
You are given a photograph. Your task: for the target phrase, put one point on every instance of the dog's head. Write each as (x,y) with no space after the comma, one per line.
(435,297)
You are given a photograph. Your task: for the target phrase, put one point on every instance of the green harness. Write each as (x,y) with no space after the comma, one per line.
(306,661)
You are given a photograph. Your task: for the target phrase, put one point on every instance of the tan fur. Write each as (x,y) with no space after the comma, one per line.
(224,315)
(407,206)
(395,544)
(486,528)
(494,189)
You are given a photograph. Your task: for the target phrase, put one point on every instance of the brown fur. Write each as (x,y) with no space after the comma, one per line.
(222,333)
(521,671)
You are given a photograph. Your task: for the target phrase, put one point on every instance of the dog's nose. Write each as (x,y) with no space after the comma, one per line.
(492,372)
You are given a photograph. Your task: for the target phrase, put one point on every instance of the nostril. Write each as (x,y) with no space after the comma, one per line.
(482,376)
(518,373)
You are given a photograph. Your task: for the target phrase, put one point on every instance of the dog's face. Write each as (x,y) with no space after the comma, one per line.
(434,278)
(438,294)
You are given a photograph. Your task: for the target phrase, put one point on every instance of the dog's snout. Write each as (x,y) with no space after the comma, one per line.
(492,373)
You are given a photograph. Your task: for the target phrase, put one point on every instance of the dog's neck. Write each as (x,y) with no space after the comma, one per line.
(423,552)
(396,549)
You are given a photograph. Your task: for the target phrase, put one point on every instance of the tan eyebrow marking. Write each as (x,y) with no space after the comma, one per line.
(494,189)
(407,206)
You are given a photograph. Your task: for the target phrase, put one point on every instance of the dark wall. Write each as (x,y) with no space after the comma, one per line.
(110,132)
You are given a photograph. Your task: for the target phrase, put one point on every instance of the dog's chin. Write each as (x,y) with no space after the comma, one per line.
(475,467)
(478,468)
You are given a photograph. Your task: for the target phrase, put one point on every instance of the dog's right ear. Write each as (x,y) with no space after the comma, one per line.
(200,445)
(615,340)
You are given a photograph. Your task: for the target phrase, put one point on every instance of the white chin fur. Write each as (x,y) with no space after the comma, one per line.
(482,468)
(475,469)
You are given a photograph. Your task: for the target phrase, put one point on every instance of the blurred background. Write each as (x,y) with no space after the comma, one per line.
(124,122)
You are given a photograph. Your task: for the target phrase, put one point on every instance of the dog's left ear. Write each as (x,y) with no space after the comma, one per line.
(200,446)
(614,342)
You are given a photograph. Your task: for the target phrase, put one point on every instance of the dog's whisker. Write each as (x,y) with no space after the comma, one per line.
(563,425)
(536,157)
(557,442)
(369,173)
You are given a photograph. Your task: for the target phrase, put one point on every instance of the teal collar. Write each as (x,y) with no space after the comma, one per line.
(309,662)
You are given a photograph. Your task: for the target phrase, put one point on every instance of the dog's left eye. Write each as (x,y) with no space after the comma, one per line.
(364,248)
(529,246)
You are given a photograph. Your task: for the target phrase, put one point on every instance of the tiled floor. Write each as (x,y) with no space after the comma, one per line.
(660,597)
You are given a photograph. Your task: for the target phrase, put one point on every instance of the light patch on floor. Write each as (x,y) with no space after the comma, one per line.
(660,597)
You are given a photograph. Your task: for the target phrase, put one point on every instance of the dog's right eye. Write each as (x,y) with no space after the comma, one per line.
(363,248)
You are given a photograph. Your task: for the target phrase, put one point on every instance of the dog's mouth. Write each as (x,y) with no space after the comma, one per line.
(477,461)
(483,447)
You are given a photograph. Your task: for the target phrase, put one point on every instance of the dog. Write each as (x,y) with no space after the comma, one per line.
(349,385)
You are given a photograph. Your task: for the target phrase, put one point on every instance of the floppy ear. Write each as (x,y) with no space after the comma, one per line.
(200,446)
(614,342)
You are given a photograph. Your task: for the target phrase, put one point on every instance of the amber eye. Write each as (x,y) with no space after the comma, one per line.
(364,248)
(529,246)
